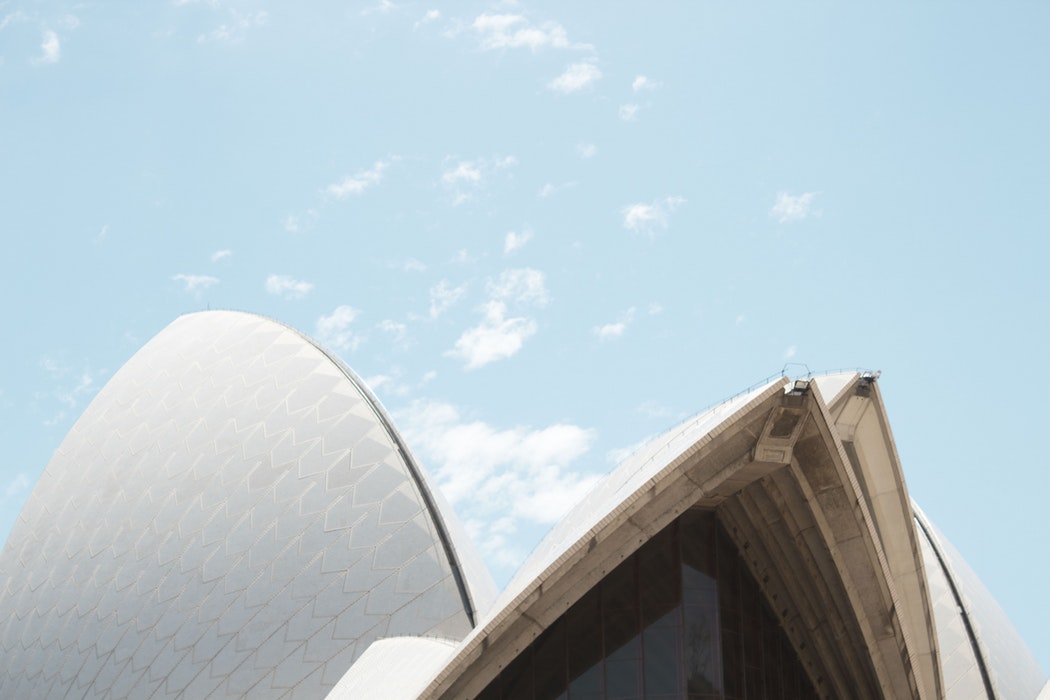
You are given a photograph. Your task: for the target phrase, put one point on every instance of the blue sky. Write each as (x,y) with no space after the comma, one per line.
(545,232)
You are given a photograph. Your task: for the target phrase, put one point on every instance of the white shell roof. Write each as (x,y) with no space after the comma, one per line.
(624,482)
(1012,669)
(609,496)
(232,515)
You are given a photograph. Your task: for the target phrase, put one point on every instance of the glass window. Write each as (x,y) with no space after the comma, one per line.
(682,618)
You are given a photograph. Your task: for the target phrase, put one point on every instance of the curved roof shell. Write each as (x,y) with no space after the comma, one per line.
(983,654)
(232,515)
(773,464)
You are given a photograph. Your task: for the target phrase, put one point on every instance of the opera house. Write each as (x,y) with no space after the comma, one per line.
(235,515)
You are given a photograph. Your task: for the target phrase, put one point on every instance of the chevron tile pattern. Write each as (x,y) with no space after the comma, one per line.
(230,517)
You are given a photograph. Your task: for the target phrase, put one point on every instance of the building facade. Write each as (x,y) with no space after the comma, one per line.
(235,515)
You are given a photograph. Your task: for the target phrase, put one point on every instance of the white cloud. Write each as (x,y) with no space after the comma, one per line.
(495,338)
(101,236)
(221,255)
(644,218)
(334,331)
(430,16)
(499,479)
(790,208)
(287,287)
(629,112)
(523,286)
(442,296)
(50,48)
(294,223)
(413,265)
(500,335)
(586,150)
(575,78)
(549,189)
(465,172)
(397,331)
(462,257)
(655,309)
(513,242)
(609,331)
(384,7)
(234,31)
(790,352)
(195,284)
(467,177)
(641,82)
(12,17)
(516,32)
(360,181)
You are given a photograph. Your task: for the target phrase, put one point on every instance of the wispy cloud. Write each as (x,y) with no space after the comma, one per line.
(70,387)
(429,17)
(609,331)
(398,332)
(629,112)
(504,31)
(333,330)
(50,48)
(514,241)
(300,223)
(789,208)
(443,295)
(524,286)
(500,335)
(576,77)
(221,255)
(384,7)
(287,287)
(550,189)
(586,150)
(641,83)
(12,18)
(465,178)
(413,265)
(499,479)
(360,181)
(465,171)
(236,28)
(645,218)
(195,284)
(495,338)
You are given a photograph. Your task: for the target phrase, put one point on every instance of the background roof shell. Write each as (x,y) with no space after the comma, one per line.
(232,515)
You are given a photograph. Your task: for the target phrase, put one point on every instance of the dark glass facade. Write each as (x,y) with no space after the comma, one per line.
(680,618)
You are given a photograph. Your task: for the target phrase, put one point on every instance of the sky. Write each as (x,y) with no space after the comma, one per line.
(544,233)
